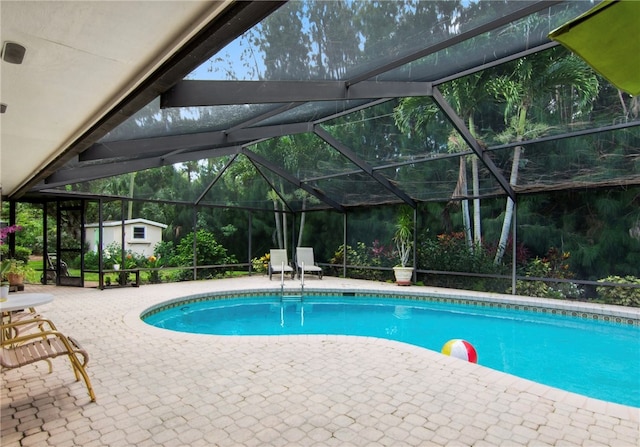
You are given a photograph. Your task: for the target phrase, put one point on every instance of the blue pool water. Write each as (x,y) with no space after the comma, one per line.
(592,358)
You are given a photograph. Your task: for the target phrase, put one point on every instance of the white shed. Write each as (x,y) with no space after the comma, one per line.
(140,235)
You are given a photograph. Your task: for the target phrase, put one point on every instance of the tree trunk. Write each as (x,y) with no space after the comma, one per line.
(477,226)
(475,178)
(302,222)
(461,191)
(285,233)
(513,180)
(508,212)
(132,179)
(276,215)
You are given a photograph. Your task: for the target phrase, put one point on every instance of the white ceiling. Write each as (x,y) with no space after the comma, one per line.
(82,58)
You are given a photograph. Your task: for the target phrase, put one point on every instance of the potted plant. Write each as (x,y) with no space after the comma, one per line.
(4,282)
(403,238)
(15,271)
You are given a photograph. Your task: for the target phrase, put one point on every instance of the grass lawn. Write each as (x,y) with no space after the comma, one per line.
(166,275)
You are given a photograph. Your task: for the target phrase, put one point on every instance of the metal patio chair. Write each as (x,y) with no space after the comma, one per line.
(278,262)
(305,261)
(43,345)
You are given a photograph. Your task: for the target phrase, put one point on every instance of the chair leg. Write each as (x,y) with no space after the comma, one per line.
(75,371)
(50,365)
(79,368)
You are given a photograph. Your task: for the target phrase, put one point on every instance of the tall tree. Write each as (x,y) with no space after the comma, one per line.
(464,95)
(537,81)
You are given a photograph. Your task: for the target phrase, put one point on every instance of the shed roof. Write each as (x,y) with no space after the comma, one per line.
(118,223)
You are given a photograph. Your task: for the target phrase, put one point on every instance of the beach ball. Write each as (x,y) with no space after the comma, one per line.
(460,349)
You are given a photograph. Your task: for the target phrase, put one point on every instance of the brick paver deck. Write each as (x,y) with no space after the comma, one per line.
(161,388)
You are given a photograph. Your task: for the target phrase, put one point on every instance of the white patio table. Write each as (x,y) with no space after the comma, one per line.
(19,301)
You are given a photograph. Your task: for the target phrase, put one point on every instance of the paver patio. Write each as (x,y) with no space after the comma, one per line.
(161,388)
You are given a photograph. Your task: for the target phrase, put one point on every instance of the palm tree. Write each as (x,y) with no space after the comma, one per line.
(537,80)
(464,95)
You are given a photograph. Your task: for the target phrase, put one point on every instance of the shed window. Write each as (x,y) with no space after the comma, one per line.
(139,233)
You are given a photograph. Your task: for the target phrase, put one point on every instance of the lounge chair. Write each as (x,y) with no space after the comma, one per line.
(43,345)
(278,262)
(32,320)
(305,261)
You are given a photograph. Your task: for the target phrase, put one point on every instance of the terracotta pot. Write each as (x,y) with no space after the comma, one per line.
(15,279)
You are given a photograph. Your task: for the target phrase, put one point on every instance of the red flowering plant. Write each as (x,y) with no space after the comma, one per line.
(382,254)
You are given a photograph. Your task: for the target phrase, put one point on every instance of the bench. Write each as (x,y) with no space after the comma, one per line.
(124,273)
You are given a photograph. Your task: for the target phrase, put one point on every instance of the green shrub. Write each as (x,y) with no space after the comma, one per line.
(622,296)
(165,250)
(374,256)
(112,254)
(449,252)
(22,253)
(261,264)
(546,268)
(537,268)
(90,260)
(208,252)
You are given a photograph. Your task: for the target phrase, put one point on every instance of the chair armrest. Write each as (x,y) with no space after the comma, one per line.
(70,344)
(25,321)
(28,337)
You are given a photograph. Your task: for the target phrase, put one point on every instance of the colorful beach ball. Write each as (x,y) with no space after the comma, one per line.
(460,349)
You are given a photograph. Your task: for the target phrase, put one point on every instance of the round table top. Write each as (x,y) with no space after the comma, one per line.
(19,301)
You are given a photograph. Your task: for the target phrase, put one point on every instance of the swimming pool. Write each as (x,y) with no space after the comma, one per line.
(595,358)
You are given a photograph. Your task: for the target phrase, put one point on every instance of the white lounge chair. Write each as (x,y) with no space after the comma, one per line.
(305,261)
(278,262)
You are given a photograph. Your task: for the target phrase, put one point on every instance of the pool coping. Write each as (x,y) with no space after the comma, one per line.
(575,309)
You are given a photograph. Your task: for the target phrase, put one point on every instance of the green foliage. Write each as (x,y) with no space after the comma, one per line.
(90,261)
(375,256)
(449,252)
(261,264)
(111,255)
(539,269)
(165,250)
(154,262)
(403,236)
(14,267)
(554,265)
(622,296)
(134,260)
(208,252)
(558,264)
(30,219)
(21,253)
